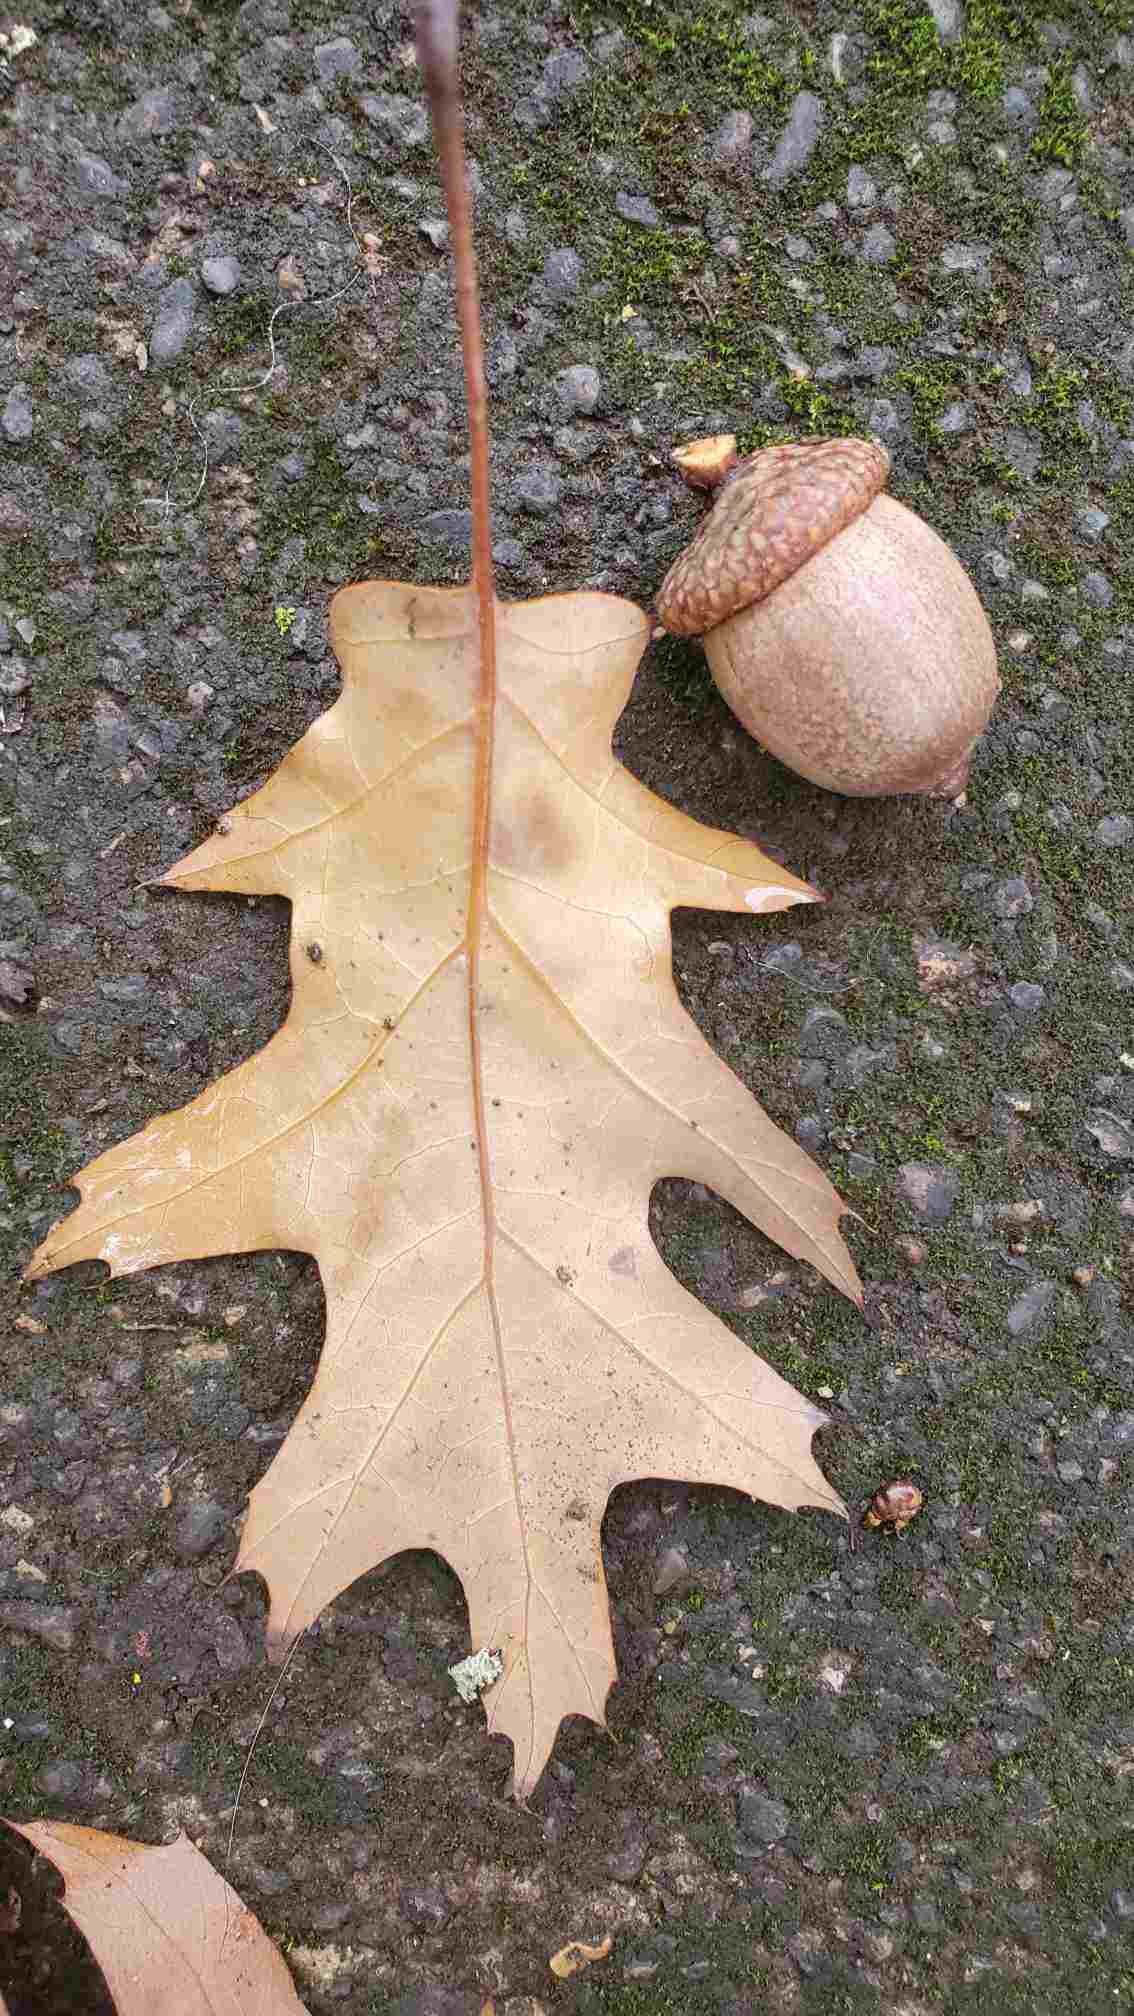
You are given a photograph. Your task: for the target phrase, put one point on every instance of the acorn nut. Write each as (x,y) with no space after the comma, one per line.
(841,630)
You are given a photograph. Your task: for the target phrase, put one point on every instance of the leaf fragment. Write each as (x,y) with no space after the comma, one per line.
(577,1954)
(171,1936)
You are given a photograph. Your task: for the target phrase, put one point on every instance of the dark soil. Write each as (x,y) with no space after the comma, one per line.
(891,1777)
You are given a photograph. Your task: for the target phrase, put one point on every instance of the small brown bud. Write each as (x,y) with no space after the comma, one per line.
(704,464)
(895,1505)
(290,278)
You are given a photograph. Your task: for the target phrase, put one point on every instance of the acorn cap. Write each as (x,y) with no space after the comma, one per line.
(776,510)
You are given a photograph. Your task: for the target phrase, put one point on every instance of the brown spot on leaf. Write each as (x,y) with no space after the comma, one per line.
(531,837)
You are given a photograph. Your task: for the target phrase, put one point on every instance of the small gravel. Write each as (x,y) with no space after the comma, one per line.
(732,139)
(538,490)
(404,121)
(1031,1311)
(762,1819)
(19,414)
(637,210)
(1012,898)
(798,140)
(221,276)
(878,246)
(173,323)
(862,190)
(96,177)
(562,273)
(337,59)
(930,1188)
(579,388)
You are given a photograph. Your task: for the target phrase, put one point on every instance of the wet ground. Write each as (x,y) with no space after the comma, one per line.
(894,1779)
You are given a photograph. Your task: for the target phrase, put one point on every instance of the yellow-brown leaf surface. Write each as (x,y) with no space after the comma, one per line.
(170,1935)
(504,1344)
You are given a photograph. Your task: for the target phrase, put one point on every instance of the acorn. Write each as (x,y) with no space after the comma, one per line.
(895,1505)
(842,632)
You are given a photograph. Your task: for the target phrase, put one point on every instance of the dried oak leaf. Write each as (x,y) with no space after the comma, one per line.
(172,1938)
(483,1071)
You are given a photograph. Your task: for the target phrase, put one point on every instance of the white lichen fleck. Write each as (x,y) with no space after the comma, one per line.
(471,1676)
(18,38)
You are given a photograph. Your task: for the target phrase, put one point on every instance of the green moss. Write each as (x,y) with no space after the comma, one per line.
(923,1741)
(1062,132)
(28,564)
(711,36)
(1087,1860)
(341,542)
(23,1065)
(908,59)
(866,1855)
(1060,858)
(1120,504)
(811,410)
(784,1684)
(686,1750)
(683,669)
(729,313)
(908,53)
(325,1799)
(802,1361)
(628,1999)
(1113,402)
(243,324)
(646,267)
(994,30)
(683,47)
(934,385)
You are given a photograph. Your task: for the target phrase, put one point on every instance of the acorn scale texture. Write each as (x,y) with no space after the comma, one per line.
(773,513)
